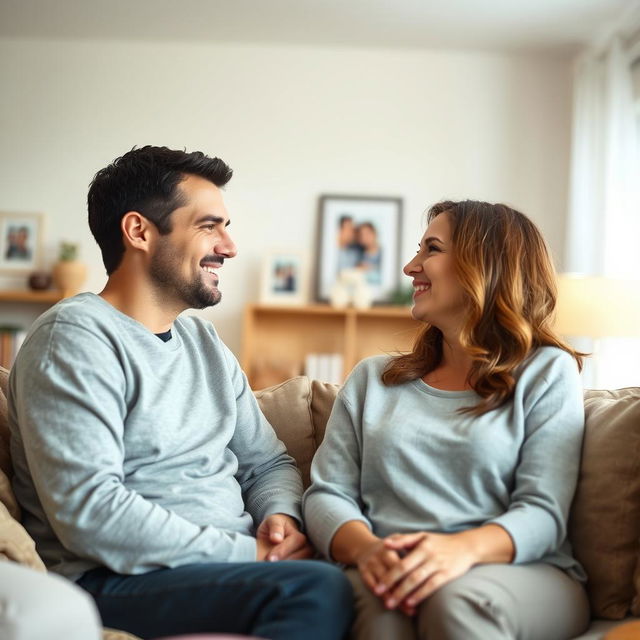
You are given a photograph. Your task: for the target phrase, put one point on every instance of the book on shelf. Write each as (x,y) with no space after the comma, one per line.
(11,339)
(327,367)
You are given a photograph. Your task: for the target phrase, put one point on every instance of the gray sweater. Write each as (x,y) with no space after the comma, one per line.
(402,459)
(137,454)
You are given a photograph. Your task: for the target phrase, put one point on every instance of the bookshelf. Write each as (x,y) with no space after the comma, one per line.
(278,339)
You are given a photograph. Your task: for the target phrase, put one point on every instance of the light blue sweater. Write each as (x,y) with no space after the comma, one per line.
(137,454)
(402,459)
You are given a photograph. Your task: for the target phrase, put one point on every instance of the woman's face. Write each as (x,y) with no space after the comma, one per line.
(366,236)
(438,296)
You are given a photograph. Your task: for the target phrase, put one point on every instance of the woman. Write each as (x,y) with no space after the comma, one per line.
(371,258)
(446,475)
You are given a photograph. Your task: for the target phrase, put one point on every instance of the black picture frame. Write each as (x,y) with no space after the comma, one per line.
(375,220)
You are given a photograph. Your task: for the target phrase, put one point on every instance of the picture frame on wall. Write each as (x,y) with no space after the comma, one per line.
(284,278)
(363,233)
(20,242)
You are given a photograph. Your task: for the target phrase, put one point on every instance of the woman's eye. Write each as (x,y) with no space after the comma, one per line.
(433,247)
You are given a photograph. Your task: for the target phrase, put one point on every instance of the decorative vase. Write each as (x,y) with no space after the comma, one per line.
(69,275)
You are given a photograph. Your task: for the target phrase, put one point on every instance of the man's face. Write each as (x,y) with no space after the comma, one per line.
(185,262)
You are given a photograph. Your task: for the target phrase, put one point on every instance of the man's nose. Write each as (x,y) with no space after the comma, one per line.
(225,246)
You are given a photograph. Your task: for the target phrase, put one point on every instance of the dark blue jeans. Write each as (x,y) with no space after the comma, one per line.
(290,600)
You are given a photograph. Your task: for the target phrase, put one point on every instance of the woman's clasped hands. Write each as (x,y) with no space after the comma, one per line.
(404,569)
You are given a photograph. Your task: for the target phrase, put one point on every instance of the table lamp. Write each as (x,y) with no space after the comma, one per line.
(597,307)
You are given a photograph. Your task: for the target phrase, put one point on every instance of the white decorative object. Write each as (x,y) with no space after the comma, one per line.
(339,295)
(351,288)
(362,296)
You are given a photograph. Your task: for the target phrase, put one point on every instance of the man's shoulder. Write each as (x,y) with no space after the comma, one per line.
(74,325)
(82,310)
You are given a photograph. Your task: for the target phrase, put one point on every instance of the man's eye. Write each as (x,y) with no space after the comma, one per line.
(209,227)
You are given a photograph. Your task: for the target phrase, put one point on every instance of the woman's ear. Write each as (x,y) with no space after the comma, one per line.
(137,231)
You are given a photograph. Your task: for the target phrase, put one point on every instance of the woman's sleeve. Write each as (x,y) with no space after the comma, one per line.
(334,495)
(547,472)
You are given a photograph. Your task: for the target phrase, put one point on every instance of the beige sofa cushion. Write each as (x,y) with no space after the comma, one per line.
(15,543)
(299,409)
(5,460)
(604,526)
(287,406)
(323,395)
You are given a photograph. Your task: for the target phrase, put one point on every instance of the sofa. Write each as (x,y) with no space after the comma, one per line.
(605,516)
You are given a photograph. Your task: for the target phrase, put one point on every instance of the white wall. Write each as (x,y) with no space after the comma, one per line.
(293,123)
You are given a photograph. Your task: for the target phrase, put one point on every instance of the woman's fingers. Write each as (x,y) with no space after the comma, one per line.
(400,570)
(427,588)
(376,565)
(404,540)
(412,581)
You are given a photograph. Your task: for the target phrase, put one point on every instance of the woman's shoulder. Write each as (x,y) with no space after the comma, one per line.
(370,368)
(365,375)
(550,364)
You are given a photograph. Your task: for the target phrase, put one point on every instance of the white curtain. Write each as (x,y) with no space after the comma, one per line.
(603,233)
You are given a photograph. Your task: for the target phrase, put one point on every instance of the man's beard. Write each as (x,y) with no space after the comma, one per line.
(165,272)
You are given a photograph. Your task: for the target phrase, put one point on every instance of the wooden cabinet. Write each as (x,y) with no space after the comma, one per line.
(277,339)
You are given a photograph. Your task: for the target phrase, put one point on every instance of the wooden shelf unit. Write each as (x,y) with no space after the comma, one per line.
(50,296)
(276,339)
(12,331)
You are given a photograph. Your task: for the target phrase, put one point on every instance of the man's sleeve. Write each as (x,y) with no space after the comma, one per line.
(268,476)
(68,396)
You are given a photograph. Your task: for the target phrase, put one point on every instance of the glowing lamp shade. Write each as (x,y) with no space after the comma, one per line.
(597,307)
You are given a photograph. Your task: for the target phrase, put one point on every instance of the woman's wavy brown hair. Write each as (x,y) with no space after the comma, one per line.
(504,267)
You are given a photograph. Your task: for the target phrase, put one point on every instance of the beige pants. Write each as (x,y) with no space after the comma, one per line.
(490,602)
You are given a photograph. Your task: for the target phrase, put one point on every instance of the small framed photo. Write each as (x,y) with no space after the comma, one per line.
(20,242)
(284,278)
(362,233)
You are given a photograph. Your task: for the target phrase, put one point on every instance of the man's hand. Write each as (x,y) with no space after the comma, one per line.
(279,538)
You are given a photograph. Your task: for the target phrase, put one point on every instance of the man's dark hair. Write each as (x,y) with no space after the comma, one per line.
(144,180)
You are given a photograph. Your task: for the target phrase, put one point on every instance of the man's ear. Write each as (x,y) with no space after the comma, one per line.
(137,231)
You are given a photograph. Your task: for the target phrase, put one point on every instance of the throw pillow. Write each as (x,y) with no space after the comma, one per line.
(287,406)
(604,526)
(323,395)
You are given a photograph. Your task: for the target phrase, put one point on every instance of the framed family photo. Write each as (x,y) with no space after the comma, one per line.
(20,242)
(284,278)
(361,233)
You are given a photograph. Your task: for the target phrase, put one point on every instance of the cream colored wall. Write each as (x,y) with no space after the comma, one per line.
(293,123)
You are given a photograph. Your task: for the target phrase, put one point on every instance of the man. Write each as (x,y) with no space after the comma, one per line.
(144,467)
(349,251)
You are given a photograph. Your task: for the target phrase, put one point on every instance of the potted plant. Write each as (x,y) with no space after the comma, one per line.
(69,273)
